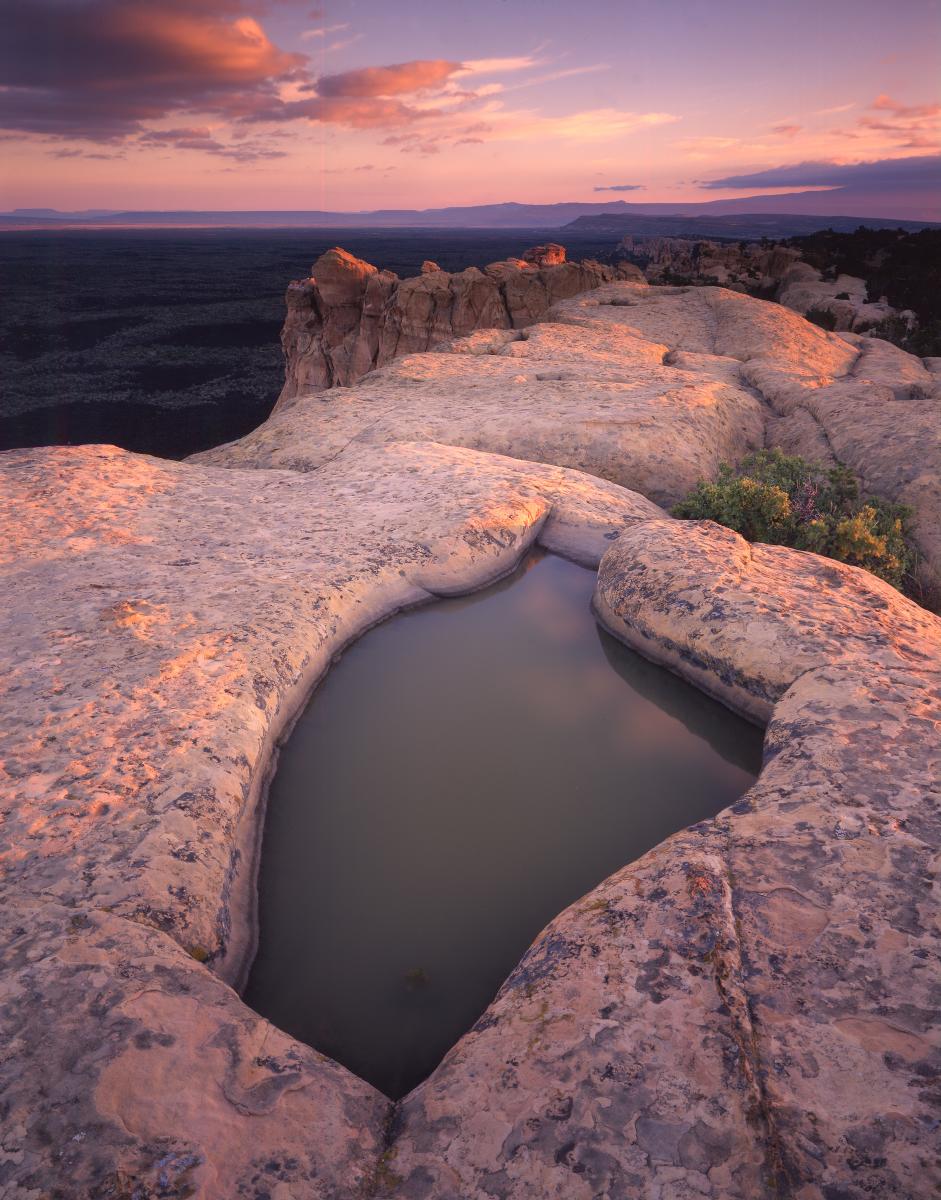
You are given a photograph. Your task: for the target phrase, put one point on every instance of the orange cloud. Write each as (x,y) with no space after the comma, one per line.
(396,80)
(902,126)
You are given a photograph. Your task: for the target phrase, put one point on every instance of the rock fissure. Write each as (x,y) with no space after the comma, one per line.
(731,984)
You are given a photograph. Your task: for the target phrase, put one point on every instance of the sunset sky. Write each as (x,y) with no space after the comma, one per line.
(361,104)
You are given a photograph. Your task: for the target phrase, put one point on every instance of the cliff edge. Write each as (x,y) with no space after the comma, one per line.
(348,317)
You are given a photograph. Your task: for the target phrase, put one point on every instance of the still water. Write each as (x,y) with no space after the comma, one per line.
(461,775)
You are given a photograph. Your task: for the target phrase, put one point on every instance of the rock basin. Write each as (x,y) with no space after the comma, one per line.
(465,772)
(749,1010)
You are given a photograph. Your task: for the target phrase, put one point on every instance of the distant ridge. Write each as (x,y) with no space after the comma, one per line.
(734,226)
(783,214)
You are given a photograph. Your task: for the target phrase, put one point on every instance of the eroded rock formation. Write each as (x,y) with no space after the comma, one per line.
(349,317)
(748,1012)
(651,387)
(769,271)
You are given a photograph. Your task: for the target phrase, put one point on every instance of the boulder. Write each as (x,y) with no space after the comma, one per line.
(549,255)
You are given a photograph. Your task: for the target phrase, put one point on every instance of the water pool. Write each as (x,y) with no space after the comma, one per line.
(463,773)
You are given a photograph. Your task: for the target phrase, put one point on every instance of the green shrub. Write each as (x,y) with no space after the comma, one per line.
(786,501)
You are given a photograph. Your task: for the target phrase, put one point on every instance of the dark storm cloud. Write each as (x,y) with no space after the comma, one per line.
(920,172)
(98,68)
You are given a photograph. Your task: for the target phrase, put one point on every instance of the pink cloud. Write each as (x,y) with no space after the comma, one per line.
(396,80)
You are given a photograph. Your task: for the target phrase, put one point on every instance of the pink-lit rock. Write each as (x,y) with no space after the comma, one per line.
(748,1011)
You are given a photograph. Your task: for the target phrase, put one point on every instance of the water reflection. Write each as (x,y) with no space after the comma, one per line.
(702,716)
(464,773)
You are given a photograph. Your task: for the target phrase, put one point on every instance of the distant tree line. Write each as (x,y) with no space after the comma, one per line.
(903,267)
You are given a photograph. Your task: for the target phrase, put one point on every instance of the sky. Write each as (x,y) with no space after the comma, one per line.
(363,104)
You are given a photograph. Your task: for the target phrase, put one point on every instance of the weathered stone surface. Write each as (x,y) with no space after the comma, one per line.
(878,409)
(349,318)
(655,590)
(697,260)
(584,391)
(749,1011)
(882,417)
(549,255)
(775,270)
(652,388)
(163,623)
(130,1070)
(845,298)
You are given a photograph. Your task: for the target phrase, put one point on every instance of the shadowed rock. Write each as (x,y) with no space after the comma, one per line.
(774,270)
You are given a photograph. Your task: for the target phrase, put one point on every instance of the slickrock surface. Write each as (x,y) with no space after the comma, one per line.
(162,624)
(588,390)
(649,387)
(349,317)
(749,1012)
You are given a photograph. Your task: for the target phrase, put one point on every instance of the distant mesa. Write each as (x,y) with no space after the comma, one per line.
(787,215)
(728,225)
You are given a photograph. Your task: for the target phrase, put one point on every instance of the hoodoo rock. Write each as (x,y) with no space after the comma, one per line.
(349,317)
(747,1012)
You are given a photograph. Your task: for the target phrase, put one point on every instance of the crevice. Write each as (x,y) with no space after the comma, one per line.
(775,415)
(384,1177)
(346,445)
(729,963)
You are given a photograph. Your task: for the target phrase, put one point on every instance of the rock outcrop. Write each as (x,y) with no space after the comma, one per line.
(749,1012)
(651,387)
(349,317)
(774,271)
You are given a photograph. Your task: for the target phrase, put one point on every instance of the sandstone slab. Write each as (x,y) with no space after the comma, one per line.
(750,1010)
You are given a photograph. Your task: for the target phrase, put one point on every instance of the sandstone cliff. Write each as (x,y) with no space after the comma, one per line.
(349,317)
